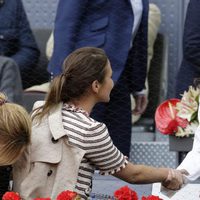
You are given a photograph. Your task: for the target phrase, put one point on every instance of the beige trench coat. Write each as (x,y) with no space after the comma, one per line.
(51,163)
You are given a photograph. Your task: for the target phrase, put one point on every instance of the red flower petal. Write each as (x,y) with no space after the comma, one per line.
(125,193)
(11,196)
(66,195)
(182,122)
(165,117)
(151,197)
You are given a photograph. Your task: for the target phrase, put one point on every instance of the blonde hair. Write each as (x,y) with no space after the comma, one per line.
(15,129)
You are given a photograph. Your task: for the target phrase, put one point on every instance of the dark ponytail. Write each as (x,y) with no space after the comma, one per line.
(81,68)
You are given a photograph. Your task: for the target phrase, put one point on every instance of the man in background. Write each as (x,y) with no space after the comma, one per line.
(120,28)
(16,38)
(190,66)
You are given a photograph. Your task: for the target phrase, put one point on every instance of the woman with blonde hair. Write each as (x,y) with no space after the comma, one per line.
(68,145)
(15,129)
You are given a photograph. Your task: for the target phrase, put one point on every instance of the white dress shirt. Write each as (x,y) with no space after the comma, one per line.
(191,163)
(137,12)
(137,8)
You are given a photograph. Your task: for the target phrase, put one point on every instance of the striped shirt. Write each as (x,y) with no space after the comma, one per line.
(93,137)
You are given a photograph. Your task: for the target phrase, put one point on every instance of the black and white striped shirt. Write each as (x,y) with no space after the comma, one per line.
(93,137)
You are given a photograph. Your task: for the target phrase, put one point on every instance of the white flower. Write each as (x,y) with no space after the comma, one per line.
(188,106)
(188,131)
(192,127)
(180,132)
(194,92)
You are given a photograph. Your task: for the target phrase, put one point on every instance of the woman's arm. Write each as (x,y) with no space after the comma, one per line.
(109,160)
(142,174)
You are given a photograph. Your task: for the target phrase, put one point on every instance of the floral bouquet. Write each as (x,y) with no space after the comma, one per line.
(65,195)
(123,193)
(179,116)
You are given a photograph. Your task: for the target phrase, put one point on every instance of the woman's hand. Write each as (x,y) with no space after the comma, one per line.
(174,180)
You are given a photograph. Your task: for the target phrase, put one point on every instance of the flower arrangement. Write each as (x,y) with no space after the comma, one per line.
(65,195)
(11,196)
(151,197)
(123,193)
(68,195)
(179,116)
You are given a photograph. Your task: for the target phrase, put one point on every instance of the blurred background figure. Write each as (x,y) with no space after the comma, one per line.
(154,21)
(190,66)
(120,28)
(10,80)
(16,38)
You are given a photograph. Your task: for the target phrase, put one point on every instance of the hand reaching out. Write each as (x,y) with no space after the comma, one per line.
(184,172)
(175,179)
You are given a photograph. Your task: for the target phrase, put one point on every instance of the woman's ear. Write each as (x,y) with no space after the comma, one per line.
(95,86)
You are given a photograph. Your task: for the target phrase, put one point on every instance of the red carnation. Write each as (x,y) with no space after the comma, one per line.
(67,195)
(166,117)
(42,199)
(11,196)
(151,197)
(125,193)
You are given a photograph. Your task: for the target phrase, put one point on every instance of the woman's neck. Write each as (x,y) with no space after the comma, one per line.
(85,103)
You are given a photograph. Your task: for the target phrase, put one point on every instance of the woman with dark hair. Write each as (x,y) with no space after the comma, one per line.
(98,23)
(68,145)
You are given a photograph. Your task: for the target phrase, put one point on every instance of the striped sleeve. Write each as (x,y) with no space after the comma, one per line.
(102,152)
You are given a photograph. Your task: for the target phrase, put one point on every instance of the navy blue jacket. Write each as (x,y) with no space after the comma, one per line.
(106,24)
(190,66)
(16,38)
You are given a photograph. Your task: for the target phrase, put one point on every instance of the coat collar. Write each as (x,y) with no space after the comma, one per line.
(55,122)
